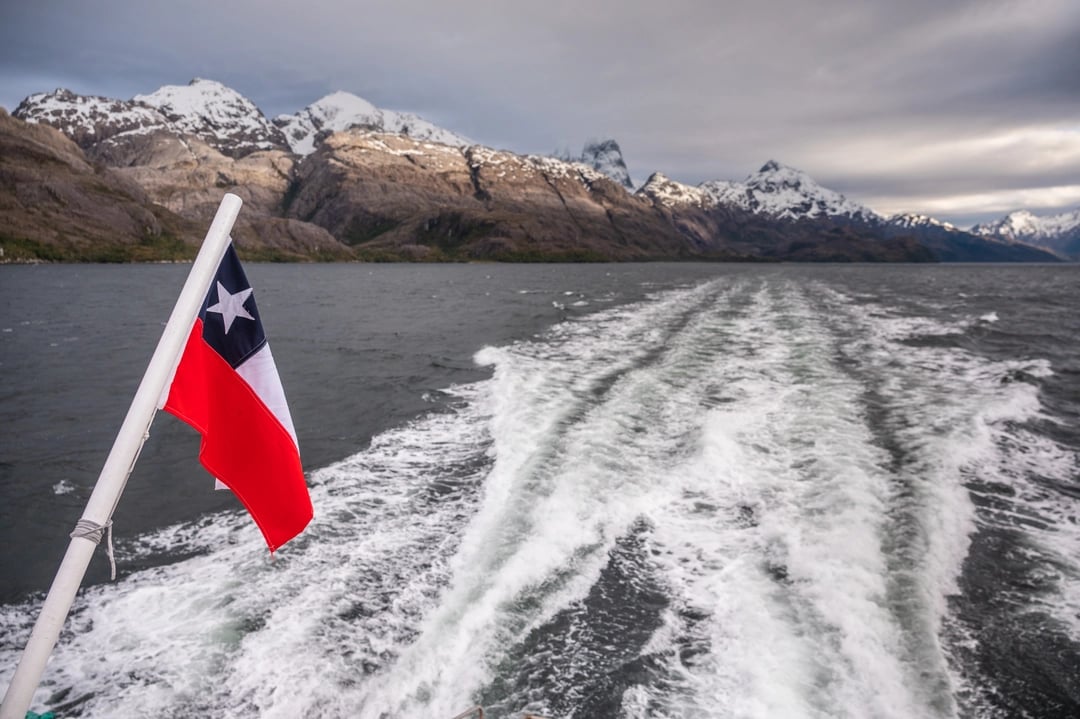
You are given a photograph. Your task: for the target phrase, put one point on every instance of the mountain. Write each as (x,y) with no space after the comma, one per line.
(795,201)
(606,156)
(90,120)
(672,194)
(764,235)
(951,244)
(341,110)
(104,127)
(217,114)
(785,193)
(57,205)
(111,130)
(393,196)
(343,179)
(1058,233)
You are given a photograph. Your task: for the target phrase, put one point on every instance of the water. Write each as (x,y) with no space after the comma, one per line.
(582,491)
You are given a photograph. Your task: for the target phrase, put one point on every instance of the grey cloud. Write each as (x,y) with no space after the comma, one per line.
(697,89)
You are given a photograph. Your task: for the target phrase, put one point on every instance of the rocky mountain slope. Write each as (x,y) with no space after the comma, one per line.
(1058,233)
(55,204)
(188,176)
(394,195)
(343,179)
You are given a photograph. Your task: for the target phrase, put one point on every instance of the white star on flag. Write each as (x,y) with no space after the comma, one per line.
(231,306)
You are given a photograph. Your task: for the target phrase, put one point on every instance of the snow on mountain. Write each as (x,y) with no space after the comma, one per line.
(672,194)
(606,156)
(553,167)
(341,110)
(222,117)
(913,221)
(1058,233)
(783,192)
(89,119)
(1023,226)
(776,191)
(216,113)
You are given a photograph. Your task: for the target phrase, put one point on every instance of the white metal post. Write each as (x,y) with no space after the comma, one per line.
(120,462)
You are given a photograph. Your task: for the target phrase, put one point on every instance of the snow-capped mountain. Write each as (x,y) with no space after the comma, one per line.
(89,119)
(606,156)
(218,114)
(1027,227)
(175,141)
(672,194)
(342,110)
(784,198)
(775,191)
(785,193)
(1058,233)
(221,117)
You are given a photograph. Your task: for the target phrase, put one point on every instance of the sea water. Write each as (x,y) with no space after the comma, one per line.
(577,490)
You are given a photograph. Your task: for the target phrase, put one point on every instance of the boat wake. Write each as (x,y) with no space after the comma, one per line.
(747,498)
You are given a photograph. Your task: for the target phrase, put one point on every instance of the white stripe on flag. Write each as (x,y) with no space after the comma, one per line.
(261,374)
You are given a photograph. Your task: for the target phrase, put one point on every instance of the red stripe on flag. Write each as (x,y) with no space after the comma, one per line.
(243,443)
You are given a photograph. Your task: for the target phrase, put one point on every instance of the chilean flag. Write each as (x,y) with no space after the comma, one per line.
(226,386)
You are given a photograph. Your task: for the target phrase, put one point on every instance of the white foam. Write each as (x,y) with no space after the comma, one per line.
(805,474)
(778,539)
(967,418)
(230,631)
(63,487)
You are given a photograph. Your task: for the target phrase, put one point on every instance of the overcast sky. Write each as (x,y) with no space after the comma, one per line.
(960,109)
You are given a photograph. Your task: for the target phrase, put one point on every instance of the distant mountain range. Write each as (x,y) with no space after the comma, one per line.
(787,195)
(343,178)
(1057,233)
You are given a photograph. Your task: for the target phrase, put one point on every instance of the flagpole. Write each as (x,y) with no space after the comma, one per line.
(121,460)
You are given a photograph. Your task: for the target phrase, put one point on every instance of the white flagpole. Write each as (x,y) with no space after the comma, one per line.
(118,465)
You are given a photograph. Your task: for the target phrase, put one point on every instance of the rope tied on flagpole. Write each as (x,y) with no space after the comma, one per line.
(88,529)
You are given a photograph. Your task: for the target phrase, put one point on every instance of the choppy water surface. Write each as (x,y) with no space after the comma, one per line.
(608,491)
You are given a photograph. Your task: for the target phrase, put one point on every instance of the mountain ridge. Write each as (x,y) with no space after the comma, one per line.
(342,110)
(1058,233)
(786,194)
(186,144)
(783,192)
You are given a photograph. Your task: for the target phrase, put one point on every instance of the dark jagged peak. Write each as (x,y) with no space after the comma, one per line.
(606,156)
(603,156)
